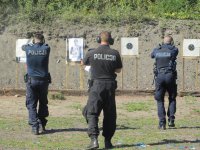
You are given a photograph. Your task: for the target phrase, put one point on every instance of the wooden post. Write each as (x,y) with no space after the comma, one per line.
(17,76)
(136,72)
(122,84)
(67,76)
(197,72)
(183,73)
(81,77)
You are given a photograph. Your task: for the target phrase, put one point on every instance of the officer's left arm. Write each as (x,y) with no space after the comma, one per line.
(119,63)
(175,53)
(49,49)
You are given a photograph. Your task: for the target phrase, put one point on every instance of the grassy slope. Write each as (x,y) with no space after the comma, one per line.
(95,11)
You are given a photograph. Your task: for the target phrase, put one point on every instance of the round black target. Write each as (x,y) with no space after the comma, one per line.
(191,47)
(129,46)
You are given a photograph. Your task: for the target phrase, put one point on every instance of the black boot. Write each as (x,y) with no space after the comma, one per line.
(42,124)
(93,144)
(171,123)
(35,130)
(41,128)
(162,127)
(108,143)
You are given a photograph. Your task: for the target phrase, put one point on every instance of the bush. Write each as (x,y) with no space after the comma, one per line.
(114,11)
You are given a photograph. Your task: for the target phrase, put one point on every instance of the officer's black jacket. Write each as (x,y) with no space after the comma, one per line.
(103,61)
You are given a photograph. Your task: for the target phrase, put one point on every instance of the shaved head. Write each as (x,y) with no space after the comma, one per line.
(168,39)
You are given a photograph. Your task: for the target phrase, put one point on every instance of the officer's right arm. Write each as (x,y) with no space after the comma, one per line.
(153,53)
(86,60)
(24,47)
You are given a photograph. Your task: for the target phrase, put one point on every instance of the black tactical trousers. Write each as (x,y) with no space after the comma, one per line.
(166,82)
(101,97)
(37,90)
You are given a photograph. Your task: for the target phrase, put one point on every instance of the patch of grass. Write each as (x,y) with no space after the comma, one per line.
(197,111)
(190,99)
(57,96)
(76,106)
(137,106)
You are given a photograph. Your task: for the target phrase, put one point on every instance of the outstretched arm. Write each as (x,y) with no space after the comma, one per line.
(153,54)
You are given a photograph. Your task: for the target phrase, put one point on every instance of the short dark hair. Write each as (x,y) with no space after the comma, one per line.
(105,36)
(39,36)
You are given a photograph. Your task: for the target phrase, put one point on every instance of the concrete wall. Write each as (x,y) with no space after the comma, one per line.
(72,76)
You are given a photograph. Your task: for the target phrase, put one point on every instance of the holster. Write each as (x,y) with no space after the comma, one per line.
(90,83)
(175,74)
(26,78)
(49,77)
(155,71)
(84,113)
(115,84)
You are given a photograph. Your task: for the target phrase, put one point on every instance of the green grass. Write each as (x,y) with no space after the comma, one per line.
(76,106)
(190,99)
(57,96)
(137,106)
(69,132)
(197,111)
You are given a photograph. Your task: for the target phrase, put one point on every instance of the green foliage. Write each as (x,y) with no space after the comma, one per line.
(113,11)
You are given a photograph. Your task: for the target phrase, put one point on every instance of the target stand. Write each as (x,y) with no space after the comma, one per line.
(129,48)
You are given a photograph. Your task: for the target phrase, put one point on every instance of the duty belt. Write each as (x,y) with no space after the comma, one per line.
(165,70)
(38,78)
(104,79)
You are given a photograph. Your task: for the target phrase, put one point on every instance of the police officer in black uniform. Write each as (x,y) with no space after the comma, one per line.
(166,75)
(37,81)
(104,62)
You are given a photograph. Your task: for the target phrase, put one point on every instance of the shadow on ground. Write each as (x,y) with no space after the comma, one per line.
(197,127)
(51,131)
(163,142)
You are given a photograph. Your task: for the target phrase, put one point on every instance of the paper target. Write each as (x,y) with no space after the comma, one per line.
(20,54)
(191,47)
(129,46)
(75,49)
